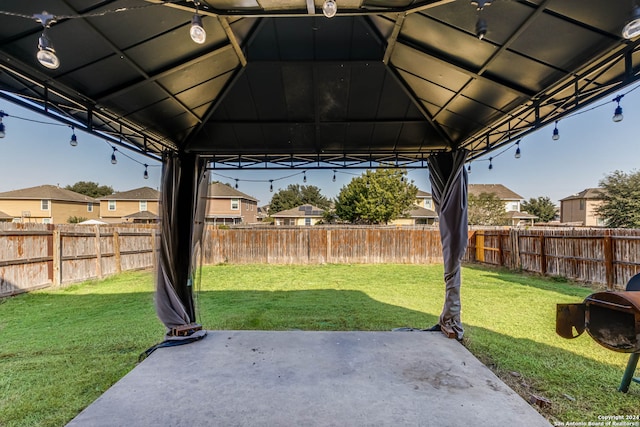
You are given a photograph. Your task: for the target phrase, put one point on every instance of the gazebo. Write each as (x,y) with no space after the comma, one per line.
(216,84)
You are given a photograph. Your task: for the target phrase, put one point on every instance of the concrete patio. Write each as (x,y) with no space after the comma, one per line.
(295,378)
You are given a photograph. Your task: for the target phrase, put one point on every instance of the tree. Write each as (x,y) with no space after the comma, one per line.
(296,195)
(621,200)
(376,197)
(91,189)
(75,219)
(542,207)
(486,209)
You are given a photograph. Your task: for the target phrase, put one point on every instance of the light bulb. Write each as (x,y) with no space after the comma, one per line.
(481,28)
(469,168)
(490,163)
(518,153)
(74,140)
(329,8)
(145,175)
(632,29)
(617,116)
(197,32)
(271,185)
(556,133)
(46,53)
(2,134)
(113,157)
(334,176)
(304,177)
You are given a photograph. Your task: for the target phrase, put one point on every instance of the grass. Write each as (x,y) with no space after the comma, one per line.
(61,349)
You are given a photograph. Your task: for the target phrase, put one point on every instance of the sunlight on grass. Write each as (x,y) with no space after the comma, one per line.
(61,349)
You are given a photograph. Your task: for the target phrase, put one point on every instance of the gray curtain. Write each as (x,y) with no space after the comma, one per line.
(184,182)
(449,187)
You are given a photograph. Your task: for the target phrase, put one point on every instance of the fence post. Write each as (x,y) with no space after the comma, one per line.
(116,251)
(98,253)
(608,259)
(328,258)
(500,254)
(154,248)
(543,256)
(480,245)
(515,248)
(57,258)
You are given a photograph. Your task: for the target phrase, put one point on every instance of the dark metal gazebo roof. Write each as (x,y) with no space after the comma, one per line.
(278,84)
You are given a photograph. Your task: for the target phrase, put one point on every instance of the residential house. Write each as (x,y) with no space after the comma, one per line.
(228,206)
(301,215)
(417,215)
(133,206)
(580,208)
(424,200)
(512,202)
(5,217)
(47,204)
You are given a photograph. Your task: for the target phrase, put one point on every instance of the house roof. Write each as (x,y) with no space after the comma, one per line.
(420,212)
(423,194)
(47,192)
(276,82)
(498,189)
(589,193)
(5,216)
(520,215)
(306,211)
(142,193)
(217,190)
(142,215)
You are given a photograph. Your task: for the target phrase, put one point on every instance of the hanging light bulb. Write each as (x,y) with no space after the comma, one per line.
(632,29)
(481,27)
(197,32)
(518,153)
(113,156)
(304,176)
(146,172)
(236,183)
(490,163)
(556,133)
(46,53)
(617,115)
(2,114)
(74,139)
(469,168)
(480,4)
(334,176)
(271,185)
(329,8)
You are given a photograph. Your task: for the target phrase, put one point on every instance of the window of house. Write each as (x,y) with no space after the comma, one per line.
(46,220)
(143,205)
(307,221)
(44,205)
(582,204)
(111,205)
(89,207)
(235,204)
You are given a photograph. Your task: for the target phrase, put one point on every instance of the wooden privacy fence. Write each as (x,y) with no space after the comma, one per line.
(607,257)
(34,256)
(318,245)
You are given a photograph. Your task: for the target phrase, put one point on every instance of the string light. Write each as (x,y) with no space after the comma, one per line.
(74,139)
(334,176)
(2,132)
(236,183)
(145,175)
(617,115)
(271,185)
(197,32)
(518,153)
(556,133)
(46,53)
(469,168)
(490,163)
(304,176)
(481,23)
(113,156)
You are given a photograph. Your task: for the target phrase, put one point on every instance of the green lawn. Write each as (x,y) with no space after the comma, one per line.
(61,349)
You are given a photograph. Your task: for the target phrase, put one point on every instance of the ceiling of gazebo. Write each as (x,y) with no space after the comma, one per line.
(277,83)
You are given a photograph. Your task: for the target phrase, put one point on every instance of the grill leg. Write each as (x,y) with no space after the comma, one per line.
(628,373)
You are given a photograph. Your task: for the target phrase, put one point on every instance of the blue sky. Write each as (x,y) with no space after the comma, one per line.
(590,147)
